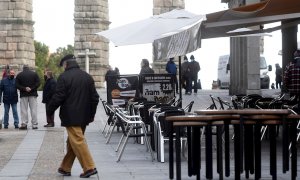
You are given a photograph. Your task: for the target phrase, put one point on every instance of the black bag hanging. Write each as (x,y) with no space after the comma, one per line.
(199,84)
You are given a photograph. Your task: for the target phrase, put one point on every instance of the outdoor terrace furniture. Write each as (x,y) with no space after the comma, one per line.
(246,123)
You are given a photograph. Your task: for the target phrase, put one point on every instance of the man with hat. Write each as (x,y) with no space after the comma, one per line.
(292,77)
(28,82)
(186,75)
(195,68)
(77,98)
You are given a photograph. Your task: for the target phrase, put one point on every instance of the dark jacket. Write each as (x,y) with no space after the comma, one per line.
(171,67)
(27,78)
(9,91)
(76,95)
(48,90)
(146,70)
(186,69)
(195,68)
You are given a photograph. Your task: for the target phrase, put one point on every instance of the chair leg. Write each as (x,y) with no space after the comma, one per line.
(124,144)
(147,141)
(202,134)
(111,131)
(121,139)
(263,129)
(104,128)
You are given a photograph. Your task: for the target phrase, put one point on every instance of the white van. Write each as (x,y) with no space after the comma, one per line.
(224,72)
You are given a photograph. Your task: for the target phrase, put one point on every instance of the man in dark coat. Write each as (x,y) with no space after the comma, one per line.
(186,75)
(171,68)
(195,68)
(77,97)
(10,98)
(48,91)
(278,77)
(28,82)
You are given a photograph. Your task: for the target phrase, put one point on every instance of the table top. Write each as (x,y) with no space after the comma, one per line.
(244,112)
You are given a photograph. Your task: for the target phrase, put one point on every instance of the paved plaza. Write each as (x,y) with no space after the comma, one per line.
(36,154)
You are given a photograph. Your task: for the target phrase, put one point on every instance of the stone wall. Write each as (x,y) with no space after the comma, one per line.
(159,7)
(16,34)
(91,16)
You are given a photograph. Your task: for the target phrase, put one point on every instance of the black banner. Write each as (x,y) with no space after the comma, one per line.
(121,88)
(158,87)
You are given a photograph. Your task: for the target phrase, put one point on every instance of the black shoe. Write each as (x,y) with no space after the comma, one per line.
(5,127)
(23,127)
(35,127)
(16,127)
(88,173)
(49,125)
(63,172)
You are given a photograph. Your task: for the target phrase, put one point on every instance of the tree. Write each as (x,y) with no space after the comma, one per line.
(41,56)
(55,58)
(51,61)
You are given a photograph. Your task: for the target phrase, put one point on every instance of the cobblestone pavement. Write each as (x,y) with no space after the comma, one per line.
(36,154)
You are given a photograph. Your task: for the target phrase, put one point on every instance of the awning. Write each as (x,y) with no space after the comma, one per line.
(219,23)
(225,23)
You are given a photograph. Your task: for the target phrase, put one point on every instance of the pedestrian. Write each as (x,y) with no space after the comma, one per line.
(110,72)
(5,71)
(28,82)
(278,78)
(10,98)
(77,98)
(292,78)
(171,68)
(186,75)
(145,67)
(48,91)
(117,71)
(195,68)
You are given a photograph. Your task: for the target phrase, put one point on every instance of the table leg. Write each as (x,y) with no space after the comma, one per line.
(227,150)
(197,151)
(208,152)
(190,157)
(219,152)
(178,153)
(257,145)
(285,147)
(294,150)
(273,158)
(171,156)
(237,162)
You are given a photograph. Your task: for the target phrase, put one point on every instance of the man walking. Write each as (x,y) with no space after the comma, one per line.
(10,98)
(78,99)
(28,82)
(195,68)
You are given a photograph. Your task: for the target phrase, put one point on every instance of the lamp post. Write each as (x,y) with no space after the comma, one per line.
(87,54)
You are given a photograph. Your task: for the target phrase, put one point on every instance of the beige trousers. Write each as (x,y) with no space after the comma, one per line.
(32,102)
(77,147)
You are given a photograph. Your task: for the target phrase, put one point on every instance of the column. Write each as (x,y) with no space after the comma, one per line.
(244,61)
(91,16)
(159,7)
(16,34)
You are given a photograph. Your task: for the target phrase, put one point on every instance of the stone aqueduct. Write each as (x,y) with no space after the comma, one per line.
(90,16)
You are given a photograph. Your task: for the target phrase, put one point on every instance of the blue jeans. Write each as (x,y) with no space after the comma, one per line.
(6,114)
